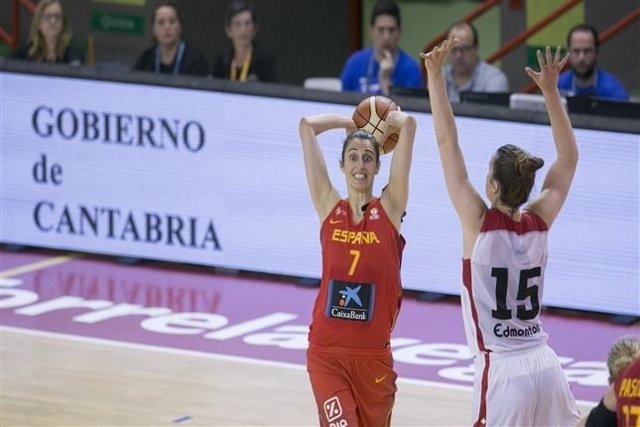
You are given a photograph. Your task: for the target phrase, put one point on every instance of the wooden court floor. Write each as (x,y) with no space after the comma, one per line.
(67,380)
(57,380)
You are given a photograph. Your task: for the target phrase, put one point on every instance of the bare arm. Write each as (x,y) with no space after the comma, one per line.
(464,197)
(609,401)
(396,195)
(323,194)
(558,180)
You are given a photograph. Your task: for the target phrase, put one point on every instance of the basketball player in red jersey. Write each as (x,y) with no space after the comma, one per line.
(627,395)
(349,360)
(620,406)
(518,378)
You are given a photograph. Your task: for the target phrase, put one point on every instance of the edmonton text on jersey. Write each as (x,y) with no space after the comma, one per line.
(500,330)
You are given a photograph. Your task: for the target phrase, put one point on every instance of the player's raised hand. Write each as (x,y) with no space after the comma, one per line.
(434,60)
(550,68)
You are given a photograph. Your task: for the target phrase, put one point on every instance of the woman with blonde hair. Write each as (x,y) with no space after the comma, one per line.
(621,354)
(50,37)
(623,363)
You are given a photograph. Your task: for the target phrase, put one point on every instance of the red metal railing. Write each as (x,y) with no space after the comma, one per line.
(13,38)
(522,37)
(516,41)
(485,6)
(604,37)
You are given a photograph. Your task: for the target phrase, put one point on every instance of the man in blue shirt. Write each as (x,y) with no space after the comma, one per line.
(375,70)
(585,77)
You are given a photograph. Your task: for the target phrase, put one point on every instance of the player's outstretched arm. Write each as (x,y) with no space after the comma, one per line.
(558,180)
(323,194)
(396,194)
(465,199)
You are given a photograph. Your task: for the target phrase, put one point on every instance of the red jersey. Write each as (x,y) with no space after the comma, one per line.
(360,292)
(627,389)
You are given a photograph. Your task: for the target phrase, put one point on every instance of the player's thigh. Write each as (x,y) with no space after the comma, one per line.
(332,391)
(556,404)
(374,391)
(503,396)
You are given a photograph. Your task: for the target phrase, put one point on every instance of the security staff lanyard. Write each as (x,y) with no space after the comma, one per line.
(245,68)
(176,63)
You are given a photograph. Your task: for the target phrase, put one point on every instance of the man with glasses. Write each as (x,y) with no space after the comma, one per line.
(585,77)
(465,71)
(377,69)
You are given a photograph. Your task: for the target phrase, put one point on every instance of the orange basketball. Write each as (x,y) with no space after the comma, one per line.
(371,114)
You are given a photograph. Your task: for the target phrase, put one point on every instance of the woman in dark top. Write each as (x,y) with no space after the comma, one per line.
(170,54)
(243,61)
(49,37)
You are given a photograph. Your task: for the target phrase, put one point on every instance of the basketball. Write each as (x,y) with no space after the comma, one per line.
(370,115)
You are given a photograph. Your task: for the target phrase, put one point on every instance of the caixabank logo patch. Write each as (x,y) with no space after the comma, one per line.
(350,301)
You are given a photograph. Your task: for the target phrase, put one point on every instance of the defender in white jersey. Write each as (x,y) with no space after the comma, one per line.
(518,377)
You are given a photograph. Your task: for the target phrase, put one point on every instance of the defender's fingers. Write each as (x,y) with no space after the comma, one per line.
(540,58)
(556,57)
(564,61)
(548,55)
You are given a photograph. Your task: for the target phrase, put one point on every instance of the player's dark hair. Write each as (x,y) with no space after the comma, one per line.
(238,6)
(385,7)
(361,134)
(515,171)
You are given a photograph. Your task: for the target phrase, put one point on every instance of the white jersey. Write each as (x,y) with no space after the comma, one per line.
(503,283)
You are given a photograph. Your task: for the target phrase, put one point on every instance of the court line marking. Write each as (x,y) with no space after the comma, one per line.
(225,357)
(38,265)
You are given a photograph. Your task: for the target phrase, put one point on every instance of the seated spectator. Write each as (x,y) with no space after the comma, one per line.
(170,53)
(376,69)
(585,77)
(49,37)
(465,71)
(243,60)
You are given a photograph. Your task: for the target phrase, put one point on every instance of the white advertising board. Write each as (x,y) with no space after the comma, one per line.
(218,179)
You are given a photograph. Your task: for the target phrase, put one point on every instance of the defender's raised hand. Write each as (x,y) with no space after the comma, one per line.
(550,68)
(434,60)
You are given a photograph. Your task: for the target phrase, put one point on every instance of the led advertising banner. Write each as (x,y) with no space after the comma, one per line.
(218,179)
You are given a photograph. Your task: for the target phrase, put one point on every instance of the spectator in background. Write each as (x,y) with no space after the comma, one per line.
(170,53)
(465,71)
(585,77)
(49,37)
(243,60)
(375,70)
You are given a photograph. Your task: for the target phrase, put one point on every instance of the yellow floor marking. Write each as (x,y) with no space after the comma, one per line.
(37,265)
